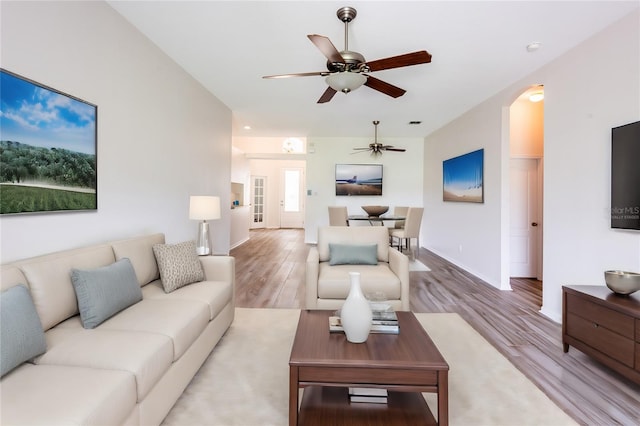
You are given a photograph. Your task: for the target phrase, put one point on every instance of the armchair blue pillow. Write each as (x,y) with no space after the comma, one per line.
(353,254)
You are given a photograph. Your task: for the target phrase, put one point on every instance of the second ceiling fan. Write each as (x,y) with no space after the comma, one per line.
(375,147)
(348,70)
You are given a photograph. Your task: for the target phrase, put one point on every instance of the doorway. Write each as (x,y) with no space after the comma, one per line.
(526,153)
(524,218)
(292,198)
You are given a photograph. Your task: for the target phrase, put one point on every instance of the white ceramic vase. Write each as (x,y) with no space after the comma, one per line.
(356,312)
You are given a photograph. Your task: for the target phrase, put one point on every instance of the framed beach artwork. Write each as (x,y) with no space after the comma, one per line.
(462,178)
(48,149)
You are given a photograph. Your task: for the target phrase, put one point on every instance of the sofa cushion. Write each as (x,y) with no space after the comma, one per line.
(60,395)
(11,275)
(180,320)
(334,283)
(139,251)
(178,264)
(147,356)
(21,333)
(216,294)
(105,291)
(353,254)
(49,279)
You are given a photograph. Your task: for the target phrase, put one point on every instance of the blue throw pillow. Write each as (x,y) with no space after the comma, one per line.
(105,291)
(21,333)
(350,254)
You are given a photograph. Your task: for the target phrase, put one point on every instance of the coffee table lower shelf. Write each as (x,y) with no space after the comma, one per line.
(322,405)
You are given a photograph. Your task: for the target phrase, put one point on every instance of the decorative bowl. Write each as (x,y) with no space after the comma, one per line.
(375,211)
(621,282)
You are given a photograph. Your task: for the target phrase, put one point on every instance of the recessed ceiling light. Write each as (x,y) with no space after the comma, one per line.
(532,47)
(536,96)
(247,127)
(415,122)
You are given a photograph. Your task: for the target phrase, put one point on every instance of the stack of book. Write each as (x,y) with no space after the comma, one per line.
(383,322)
(371,395)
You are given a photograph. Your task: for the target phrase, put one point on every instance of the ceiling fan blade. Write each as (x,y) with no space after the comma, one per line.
(326,47)
(300,74)
(415,58)
(327,95)
(386,88)
(395,149)
(361,149)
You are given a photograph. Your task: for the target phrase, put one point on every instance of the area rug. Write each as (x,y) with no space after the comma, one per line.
(417,266)
(245,379)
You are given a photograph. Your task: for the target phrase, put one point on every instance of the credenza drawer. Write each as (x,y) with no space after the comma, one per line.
(602,339)
(602,316)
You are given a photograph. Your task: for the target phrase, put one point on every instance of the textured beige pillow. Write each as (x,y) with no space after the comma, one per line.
(178,264)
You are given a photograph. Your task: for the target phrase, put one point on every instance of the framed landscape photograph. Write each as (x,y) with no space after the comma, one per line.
(462,178)
(358,179)
(48,149)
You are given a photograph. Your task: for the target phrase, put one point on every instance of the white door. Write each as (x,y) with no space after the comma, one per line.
(524,220)
(292,198)
(258,200)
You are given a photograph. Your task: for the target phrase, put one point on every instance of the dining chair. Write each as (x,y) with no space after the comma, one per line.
(400,211)
(398,224)
(411,229)
(338,216)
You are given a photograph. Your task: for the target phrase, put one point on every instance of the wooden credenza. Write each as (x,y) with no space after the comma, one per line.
(603,325)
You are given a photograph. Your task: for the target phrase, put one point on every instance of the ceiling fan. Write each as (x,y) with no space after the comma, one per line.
(376,148)
(348,70)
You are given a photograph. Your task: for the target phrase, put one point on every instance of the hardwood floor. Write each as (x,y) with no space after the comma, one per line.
(270,271)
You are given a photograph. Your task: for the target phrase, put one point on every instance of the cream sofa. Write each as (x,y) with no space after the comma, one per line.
(130,369)
(327,285)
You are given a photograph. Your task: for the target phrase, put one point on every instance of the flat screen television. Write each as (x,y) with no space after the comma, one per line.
(625,176)
(358,179)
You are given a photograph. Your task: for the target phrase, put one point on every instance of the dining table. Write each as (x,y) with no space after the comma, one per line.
(375,220)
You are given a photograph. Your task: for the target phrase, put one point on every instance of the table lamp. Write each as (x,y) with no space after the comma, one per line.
(203,207)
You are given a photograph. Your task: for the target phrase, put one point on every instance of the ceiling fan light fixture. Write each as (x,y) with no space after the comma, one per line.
(345,81)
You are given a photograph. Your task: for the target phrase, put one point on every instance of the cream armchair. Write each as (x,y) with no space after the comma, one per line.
(327,285)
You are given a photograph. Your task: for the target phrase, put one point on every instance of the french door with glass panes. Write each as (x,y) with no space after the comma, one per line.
(258,201)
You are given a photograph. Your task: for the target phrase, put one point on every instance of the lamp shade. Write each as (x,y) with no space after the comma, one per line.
(204,207)
(345,81)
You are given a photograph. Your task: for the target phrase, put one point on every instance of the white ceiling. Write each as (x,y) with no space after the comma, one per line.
(478,48)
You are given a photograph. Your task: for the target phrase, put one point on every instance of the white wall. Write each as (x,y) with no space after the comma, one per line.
(402,177)
(526,139)
(467,234)
(589,90)
(161,135)
(241,174)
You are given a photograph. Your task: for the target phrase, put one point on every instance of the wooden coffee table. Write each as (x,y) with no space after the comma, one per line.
(406,364)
